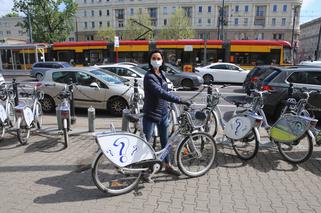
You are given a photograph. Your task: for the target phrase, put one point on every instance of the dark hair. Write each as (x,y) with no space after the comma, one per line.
(150,57)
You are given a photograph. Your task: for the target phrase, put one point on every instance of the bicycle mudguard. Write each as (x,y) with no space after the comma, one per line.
(124,148)
(28,115)
(3,114)
(238,127)
(290,128)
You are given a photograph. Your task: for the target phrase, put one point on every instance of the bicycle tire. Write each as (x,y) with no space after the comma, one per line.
(251,137)
(23,133)
(2,131)
(185,150)
(287,155)
(97,179)
(210,125)
(11,114)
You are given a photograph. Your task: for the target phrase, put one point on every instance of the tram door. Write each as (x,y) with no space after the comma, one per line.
(96,57)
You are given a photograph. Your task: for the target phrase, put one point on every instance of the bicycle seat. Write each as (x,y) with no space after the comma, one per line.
(239,100)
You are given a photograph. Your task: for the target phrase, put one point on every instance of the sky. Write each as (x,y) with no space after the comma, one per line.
(311,9)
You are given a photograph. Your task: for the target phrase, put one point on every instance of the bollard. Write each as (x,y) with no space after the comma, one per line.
(72,103)
(91,119)
(58,115)
(15,90)
(125,122)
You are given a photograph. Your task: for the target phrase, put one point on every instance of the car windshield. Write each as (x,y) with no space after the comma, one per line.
(66,64)
(107,77)
(139,70)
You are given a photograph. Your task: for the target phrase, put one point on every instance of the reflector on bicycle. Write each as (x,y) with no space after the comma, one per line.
(290,128)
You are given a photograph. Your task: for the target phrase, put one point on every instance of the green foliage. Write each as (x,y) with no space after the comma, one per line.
(50,23)
(107,34)
(179,27)
(11,14)
(134,30)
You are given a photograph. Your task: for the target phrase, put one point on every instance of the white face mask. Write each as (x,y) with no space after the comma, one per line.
(156,64)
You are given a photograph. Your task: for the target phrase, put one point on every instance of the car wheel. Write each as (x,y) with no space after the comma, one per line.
(187,83)
(47,103)
(207,78)
(39,76)
(116,106)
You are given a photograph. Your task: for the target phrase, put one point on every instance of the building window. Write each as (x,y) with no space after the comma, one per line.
(201,35)
(200,9)
(283,21)
(92,37)
(275,8)
(92,13)
(20,32)
(236,21)
(165,10)
(277,36)
(8,32)
(85,25)
(100,13)
(100,24)
(92,24)
(246,21)
(154,23)
(260,11)
(120,24)
(208,21)
(237,8)
(71,39)
(246,8)
(131,11)
(285,7)
(107,13)
(85,1)
(199,21)
(108,23)
(1,33)
(173,9)
(165,22)
(209,9)
(152,12)
(273,21)
(140,10)
(85,13)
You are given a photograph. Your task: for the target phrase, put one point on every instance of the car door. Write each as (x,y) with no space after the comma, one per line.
(235,74)
(170,74)
(219,71)
(85,95)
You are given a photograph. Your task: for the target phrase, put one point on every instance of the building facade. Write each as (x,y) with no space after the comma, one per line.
(9,31)
(309,39)
(243,19)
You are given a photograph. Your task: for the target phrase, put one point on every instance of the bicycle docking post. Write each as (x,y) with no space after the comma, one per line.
(15,89)
(72,104)
(125,122)
(91,119)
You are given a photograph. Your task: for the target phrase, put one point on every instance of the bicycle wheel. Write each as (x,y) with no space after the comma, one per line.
(246,148)
(39,114)
(11,114)
(171,124)
(110,179)
(297,151)
(2,131)
(210,125)
(23,132)
(65,131)
(196,154)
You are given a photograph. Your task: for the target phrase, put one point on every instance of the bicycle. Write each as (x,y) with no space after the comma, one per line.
(7,115)
(240,129)
(64,114)
(124,157)
(28,116)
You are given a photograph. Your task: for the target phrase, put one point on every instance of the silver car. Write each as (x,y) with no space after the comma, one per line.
(39,68)
(92,88)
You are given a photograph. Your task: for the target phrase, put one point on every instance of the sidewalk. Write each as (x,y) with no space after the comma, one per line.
(7,73)
(44,177)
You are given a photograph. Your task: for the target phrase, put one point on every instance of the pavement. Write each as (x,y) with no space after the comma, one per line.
(44,177)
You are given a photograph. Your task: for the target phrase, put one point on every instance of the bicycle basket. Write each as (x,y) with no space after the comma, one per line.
(290,128)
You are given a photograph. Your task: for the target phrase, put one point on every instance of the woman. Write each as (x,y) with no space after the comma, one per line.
(156,103)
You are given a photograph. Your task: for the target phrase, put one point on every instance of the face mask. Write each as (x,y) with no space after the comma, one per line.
(156,64)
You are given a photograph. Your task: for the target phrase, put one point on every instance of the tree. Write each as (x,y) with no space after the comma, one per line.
(133,27)
(179,27)
(51,20)
(11,14)
(107,34)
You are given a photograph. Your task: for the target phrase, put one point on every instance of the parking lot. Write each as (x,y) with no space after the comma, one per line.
(42,176)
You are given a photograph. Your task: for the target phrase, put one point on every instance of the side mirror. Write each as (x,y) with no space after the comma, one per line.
(94,84)
(134,75)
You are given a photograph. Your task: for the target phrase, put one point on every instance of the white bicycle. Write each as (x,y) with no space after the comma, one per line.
(7,115)
(28,116)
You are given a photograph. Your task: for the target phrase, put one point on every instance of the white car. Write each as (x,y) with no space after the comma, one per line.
(312,63)
(222,72)
(93,87)
(130,72)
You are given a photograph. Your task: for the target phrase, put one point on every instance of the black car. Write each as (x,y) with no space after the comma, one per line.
(180,78)
(279,81)
(256,75)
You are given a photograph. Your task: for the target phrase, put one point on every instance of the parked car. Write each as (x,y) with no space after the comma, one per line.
(93,87)
(279,82)
(222,72)
(313,63)
(130,72)
(178,77)
(254,78)
(39,68)
(2,81)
